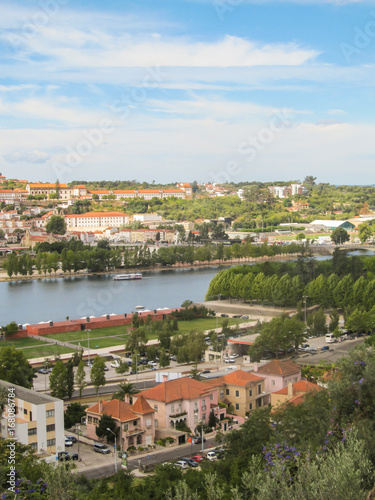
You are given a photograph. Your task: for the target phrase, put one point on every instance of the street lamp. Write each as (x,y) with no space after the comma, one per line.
(108,429)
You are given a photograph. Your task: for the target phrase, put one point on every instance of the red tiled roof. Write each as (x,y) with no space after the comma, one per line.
(302,386)
(277,367)
(40,185)
(115,408)
(141,406)
(173,390)
(98,214)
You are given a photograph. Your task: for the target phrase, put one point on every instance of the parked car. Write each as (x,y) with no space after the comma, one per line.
(197,440)
(197,458)
(190,462)
(153,363)
(205,371)
(106,368)
(325,348)
(182,464)
(68,442)
(173,357)
(44,371)
(73,439)
(230,368)
(101,448)
(67,455)
(211,455)
(115,363)
(236,316)
(245,317)
(224,315)
(89,364)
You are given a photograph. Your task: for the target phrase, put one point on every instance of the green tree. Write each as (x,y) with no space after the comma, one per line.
(106,422)
(11,328)
(340,236)
(80,378)
(365,231)
(58,380)
(69,378)
(74,414)
(163,358)
(97,374)
(56,225)
(125,392)
(15,368)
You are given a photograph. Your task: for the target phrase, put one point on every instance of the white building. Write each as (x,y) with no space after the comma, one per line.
(92,221)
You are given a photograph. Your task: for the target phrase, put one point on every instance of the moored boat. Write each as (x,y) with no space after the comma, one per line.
(130,276)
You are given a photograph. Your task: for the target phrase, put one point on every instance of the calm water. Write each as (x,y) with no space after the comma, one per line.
(55,299)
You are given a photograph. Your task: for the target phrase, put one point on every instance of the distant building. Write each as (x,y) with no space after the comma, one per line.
(278,374)
(95,220)
(334,224)
(38,419)
(40,188)
(293,393)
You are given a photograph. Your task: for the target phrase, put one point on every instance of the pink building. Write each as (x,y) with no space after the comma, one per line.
(135,422)
(278,374)
(182,400)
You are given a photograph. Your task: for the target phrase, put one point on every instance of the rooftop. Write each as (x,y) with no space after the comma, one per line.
(35,398)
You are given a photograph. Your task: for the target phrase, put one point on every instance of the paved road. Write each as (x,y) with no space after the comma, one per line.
(169,454)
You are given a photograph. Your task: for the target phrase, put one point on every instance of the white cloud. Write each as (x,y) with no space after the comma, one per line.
(27,156)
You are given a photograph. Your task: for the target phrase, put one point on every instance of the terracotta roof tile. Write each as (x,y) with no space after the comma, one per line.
(277,367)
(302,386)
(115,408)
(173,390)
(141,406)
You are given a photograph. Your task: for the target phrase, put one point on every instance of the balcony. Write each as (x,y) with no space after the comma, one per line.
(178,415)
(134,432)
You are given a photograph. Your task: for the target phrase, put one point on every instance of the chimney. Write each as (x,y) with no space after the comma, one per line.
(100,406)
(255,369)
(290,389)
(165,377)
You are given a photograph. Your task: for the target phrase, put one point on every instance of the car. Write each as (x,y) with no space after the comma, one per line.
(205,371)
(115,363)
(236,316)
(43,371)
(89,364)
(173,357)
(182,464)
(190,462)
(67,455)
(68,443)
(245,317)
(211,455)
(101,448)
(152,363)
(197,458)
(197,440)
(230,368)
(325,348)
(224,315)
(106,368)
(73,439)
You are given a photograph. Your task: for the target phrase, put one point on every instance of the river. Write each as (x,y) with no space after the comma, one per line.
(56,298)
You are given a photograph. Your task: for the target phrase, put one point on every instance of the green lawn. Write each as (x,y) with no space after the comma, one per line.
(104,342)
(45,351)
(75,337)
(23,342)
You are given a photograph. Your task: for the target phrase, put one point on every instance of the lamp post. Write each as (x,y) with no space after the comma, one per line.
(108,429)
(88,344)
(305,297)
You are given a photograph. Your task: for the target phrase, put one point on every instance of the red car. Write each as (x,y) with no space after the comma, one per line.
(197,458)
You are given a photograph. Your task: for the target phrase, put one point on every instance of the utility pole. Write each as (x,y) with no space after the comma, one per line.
(108,429)
(305,297)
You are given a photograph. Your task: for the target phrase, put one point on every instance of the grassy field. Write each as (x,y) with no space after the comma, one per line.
(102,337)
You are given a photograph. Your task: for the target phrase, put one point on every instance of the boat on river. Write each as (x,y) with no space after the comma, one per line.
(130,276)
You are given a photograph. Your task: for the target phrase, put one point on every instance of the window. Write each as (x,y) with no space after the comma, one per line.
(211,397)
(237,406)
(25,411)
(51,442)
(273,382)
(221,393)
(227,392)
(50,413)
(50,427)
(237,394)
(172,408)
(156,422)
(195,419)
(89,420)
(250,393)
(148,422)
(33,446)
(135,422)
(126,427)
(259,389)
(250,406)
(31,432)
(156,407)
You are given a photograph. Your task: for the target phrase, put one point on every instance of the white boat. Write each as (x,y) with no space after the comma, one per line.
(139,307)
(130,276)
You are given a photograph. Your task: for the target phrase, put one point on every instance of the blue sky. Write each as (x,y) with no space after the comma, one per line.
(212,90)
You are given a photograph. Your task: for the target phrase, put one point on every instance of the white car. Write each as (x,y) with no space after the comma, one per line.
(230,368)
(182,464)
(68,442)
(211,455)
(115,363)
(153,363)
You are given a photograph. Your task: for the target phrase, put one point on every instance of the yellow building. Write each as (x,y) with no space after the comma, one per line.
(33,419)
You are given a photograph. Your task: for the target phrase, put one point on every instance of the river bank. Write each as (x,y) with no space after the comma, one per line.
(197,265)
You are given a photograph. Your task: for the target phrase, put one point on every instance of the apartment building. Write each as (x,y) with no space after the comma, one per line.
(40,188)
(95,221)
(33,418)
(278,374)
